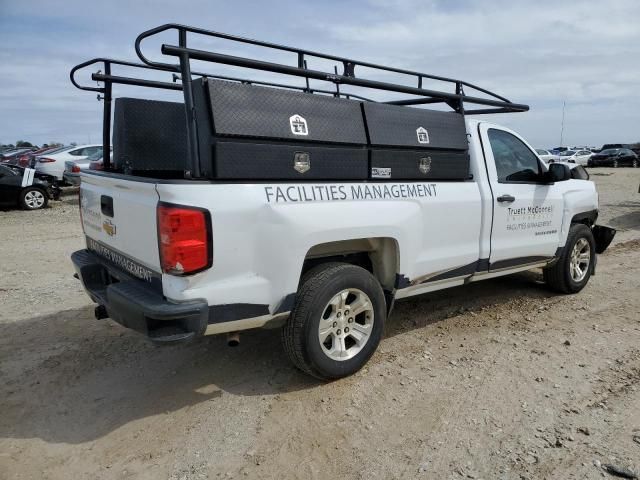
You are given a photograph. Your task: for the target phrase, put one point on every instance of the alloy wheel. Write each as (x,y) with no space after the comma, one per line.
(34,199)
(580,260)
(346,324)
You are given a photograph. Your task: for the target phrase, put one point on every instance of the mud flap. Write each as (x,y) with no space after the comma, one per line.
(603,237)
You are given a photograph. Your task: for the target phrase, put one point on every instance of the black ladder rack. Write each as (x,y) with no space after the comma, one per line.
(455,99)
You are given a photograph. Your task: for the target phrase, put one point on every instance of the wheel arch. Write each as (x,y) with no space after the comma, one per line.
(587,218)
(378,255)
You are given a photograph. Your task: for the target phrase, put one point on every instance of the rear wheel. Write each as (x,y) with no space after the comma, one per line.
(573,269)
(33,198)
(337,321)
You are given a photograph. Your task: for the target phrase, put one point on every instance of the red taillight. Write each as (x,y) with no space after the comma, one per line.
(46,160)
(97,165)
(184,236)
(75,169)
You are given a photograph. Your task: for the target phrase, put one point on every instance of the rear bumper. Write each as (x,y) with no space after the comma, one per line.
(71,178)
(135,304)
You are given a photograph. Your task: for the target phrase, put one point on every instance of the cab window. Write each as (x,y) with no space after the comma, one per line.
(515,162)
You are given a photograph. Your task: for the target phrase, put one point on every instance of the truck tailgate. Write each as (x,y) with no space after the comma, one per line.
(119,220)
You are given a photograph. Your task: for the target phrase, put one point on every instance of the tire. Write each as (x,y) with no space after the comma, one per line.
(563,276)
(320,335)
(33,198)
(615,164)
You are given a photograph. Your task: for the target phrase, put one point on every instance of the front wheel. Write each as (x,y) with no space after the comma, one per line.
(33,198)
(572,270)
(337,321)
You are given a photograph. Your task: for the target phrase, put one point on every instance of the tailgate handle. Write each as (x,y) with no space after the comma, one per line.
(106,205)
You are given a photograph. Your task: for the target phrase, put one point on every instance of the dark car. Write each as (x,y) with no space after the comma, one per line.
(30,193)
(609,146)
(12,156)
(614,157)
(635,147)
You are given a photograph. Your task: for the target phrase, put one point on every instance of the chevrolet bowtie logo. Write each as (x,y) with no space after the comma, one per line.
(109,228)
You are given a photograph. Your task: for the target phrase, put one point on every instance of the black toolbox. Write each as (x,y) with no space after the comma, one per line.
(415,143)
(248,132)
(149,135)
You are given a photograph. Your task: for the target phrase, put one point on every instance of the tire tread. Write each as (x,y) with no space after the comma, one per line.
(293,331)
(556,276)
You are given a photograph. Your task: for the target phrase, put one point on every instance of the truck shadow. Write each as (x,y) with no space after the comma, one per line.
(69,378)
(627,221)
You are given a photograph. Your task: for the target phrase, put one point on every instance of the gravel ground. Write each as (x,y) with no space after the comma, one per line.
(499,379)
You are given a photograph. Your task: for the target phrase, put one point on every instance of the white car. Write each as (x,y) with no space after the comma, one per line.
(580,157)
(547,156)
(55,164)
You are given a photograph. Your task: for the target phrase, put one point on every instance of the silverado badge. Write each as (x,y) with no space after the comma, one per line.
(109,228)
(424,165)
(298,125)
(423,135)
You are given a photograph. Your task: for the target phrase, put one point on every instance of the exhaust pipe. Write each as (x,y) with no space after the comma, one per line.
(233,339)
(100,312)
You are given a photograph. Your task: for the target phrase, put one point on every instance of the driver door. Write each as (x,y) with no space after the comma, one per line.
(527,211)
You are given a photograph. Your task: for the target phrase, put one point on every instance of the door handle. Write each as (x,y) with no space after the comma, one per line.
(506,198)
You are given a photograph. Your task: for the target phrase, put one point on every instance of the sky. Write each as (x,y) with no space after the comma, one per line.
(585,54)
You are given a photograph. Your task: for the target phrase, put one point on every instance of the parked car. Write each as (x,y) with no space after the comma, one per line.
(34,159)
(11,157)
(614,157)
(547,156)
(317,238)
(73,168)
(609,146)
(54,163)
(97,165)
(634,147)
(24,160)
(581,157)
(31,193)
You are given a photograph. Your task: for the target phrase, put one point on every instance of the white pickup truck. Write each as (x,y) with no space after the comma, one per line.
(179,258)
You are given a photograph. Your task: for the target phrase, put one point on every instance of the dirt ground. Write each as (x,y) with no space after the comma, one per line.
(499,379)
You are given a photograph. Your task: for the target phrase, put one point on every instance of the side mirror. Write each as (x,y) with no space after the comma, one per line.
(558,172)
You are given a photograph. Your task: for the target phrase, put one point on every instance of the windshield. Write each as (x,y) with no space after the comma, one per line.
(610,151)
(568,153)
